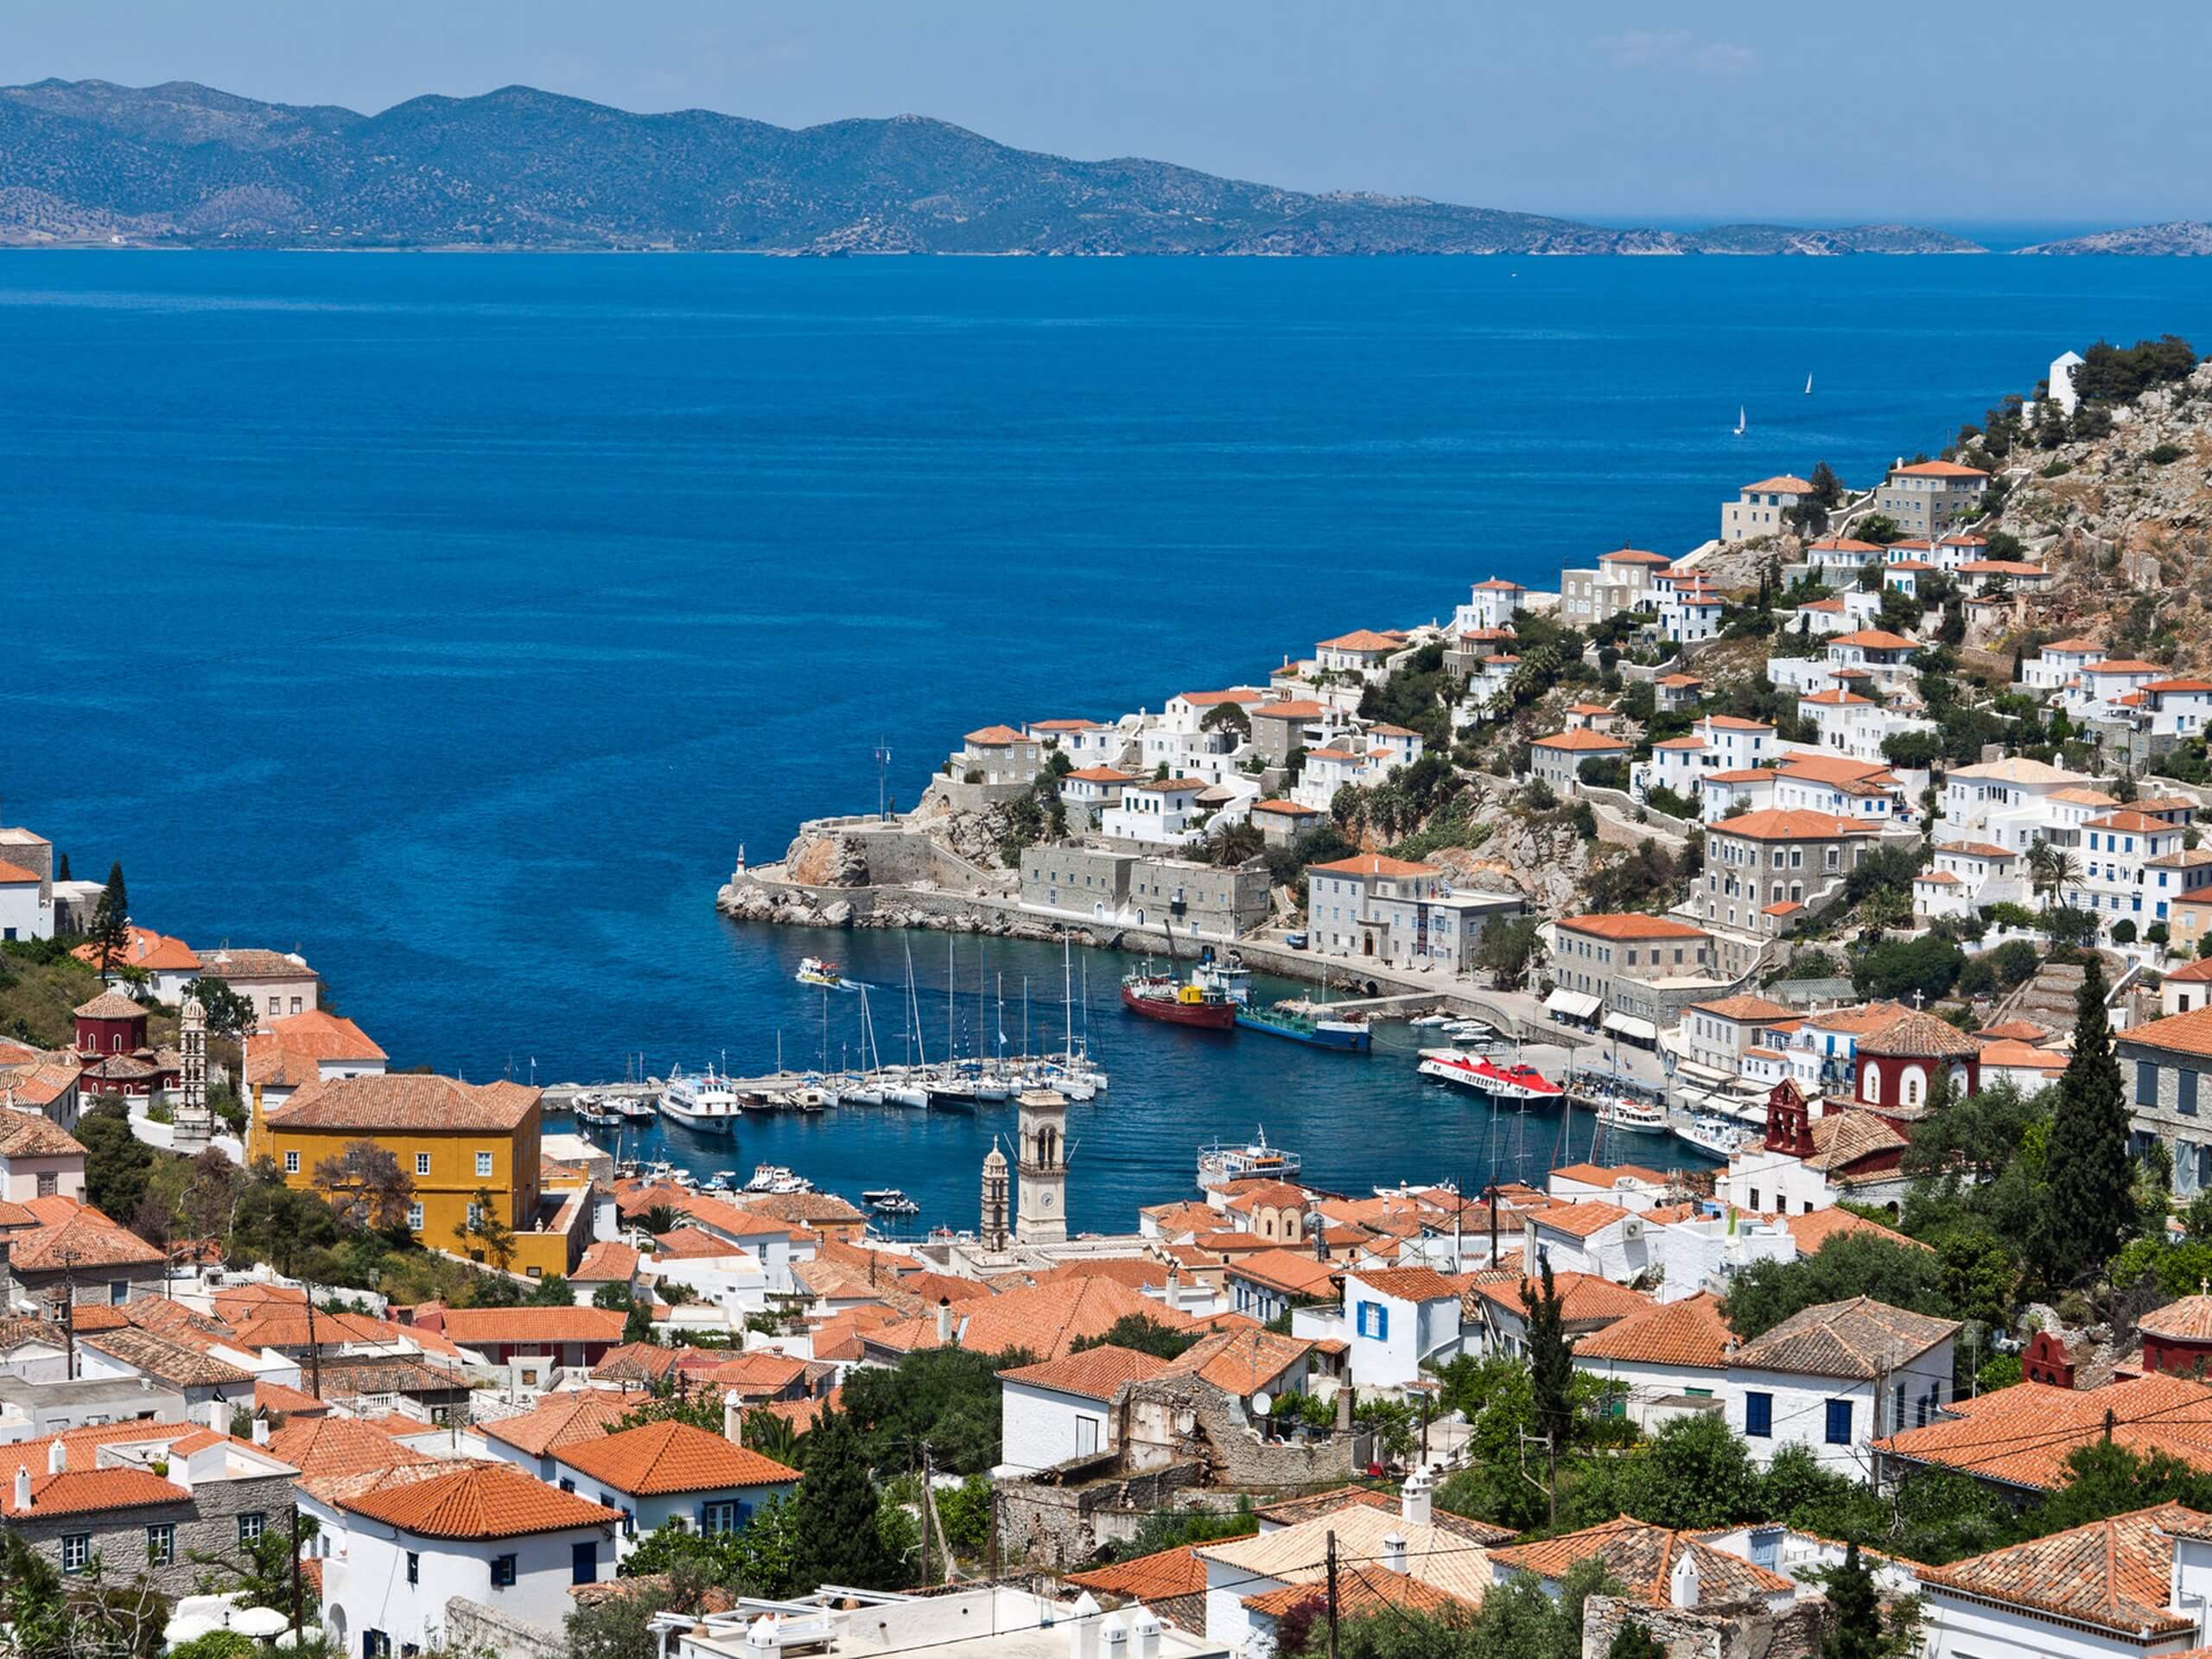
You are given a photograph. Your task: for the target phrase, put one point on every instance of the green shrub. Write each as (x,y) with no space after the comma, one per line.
(2165,455)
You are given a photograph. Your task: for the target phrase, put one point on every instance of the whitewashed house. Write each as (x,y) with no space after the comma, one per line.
(1063,1408)
(1397,1320)
(1155,812)
(671,1471)
(484,1533)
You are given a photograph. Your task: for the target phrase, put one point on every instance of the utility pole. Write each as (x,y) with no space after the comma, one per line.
(925,1512)
(295,1575)
(69,1312)
(1332,1593)
(315,1351)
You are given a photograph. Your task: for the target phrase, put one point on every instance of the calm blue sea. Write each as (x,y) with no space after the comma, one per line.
(456,619)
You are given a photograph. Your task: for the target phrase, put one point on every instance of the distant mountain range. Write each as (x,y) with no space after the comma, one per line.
(2178,238)
(179,164)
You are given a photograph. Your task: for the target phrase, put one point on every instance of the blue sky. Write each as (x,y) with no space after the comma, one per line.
(1882,109)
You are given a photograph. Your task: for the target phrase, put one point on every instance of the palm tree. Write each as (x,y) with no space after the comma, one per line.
(773,1435)
(662,1219)
(2052,869)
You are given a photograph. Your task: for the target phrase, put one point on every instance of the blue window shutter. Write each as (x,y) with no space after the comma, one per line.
(2186,1098)
(2146,1083)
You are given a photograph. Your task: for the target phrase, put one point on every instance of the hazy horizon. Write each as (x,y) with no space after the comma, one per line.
(1612,112)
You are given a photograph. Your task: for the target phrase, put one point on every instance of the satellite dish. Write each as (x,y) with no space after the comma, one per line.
(1264,1403)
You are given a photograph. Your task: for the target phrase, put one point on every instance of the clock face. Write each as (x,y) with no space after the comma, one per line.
(1048,1198)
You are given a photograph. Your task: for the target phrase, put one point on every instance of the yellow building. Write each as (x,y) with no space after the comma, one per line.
(453,1140)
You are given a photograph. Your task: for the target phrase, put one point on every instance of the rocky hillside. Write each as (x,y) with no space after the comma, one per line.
(183,164)
(2180,238)
(2125,520)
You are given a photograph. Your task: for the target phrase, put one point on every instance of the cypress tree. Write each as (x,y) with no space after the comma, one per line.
(2086,1168)
(1551,1367)
(61,868)
(838,1543)
(110,929)
(1854,1613)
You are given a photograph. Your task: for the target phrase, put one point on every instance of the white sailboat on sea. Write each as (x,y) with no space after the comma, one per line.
(1740,420)
(1808,386)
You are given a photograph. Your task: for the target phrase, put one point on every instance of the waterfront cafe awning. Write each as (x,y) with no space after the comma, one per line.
(1636,1030)
(1575,1005)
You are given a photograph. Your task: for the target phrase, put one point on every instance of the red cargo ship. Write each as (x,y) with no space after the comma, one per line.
(1157,996)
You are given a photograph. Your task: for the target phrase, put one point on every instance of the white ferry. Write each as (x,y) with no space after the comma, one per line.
(704,1103)
(1220,1164)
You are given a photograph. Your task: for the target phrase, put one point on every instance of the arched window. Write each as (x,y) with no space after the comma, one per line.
(1871,1089)
(1916,1082)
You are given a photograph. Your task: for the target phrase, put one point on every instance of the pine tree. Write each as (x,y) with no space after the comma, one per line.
(2086,1165)
(110,929)
(1854,1612)
(837,1503)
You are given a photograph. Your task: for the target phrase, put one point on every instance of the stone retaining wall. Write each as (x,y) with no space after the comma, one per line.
(473,1627)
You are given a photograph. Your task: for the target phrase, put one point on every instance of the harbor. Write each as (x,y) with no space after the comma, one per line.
(1355,1121)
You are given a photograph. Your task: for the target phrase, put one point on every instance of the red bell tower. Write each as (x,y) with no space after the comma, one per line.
(1789,1122)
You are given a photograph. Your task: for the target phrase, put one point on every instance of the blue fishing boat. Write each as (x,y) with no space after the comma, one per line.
(1316,1027)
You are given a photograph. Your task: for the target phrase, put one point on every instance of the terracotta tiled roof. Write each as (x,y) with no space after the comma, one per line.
(584,1414)
(1095,1374)
(1744,1009)
(1407,1284)
(1917,1034)
(483,1500)
(1815,1228)
(1937,469)
(1583,738)
(1287,1270)
(1842,1138)
(2023,1434)
(635,1362)
(1373,864)
(1360,1590)
(607,1262)
(1161,1577)
(84,1239)
(811,1209)
(291,1403)
(1790,824)
(1857,1338)
(2180,1034)
(2115,1574)
(1241,1362)
(31,1134)
(1609,1176)
(996,737)
(88,1492)
(1586,1300)
(154,952)
(1690,1332)
(1643,1557)
(165,1361)
(1294,1554)
(109,1004)
(1633,555)
(1630,925)
(1580,1220)
(408,1101)
(338,1445)
(1362,639)
(1046,1319)
(2189,1319)
(472,1327)
(1292,1511)
(323,1035)
(662,1457)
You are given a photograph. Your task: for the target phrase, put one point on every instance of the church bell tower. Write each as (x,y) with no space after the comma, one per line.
(993,1232)
(1041,1215)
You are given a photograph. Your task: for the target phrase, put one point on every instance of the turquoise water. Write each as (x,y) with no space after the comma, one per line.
(455,619)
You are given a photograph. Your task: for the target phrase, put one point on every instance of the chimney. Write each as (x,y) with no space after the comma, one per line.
(1113,1638)
(1682,1583)
(22,1489)
(1144,1624)
(1083,1628)
(1394,1554)
(944,1321)
(57,1456)
(1414,1499)
(733,1417)
(261,1431)
(219,1416)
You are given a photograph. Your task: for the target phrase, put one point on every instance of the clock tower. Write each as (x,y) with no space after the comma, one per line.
(1041,1216)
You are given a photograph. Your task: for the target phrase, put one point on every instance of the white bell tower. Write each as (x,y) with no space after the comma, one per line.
(1040,1216)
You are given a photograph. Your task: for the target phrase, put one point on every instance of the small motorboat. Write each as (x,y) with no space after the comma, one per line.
(1220,1163)
(890,1201)
(813,970)
(721,1181)
(1433,1017)
(599,1113)
(637,1111)
(1626,1112)
(775,1177)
